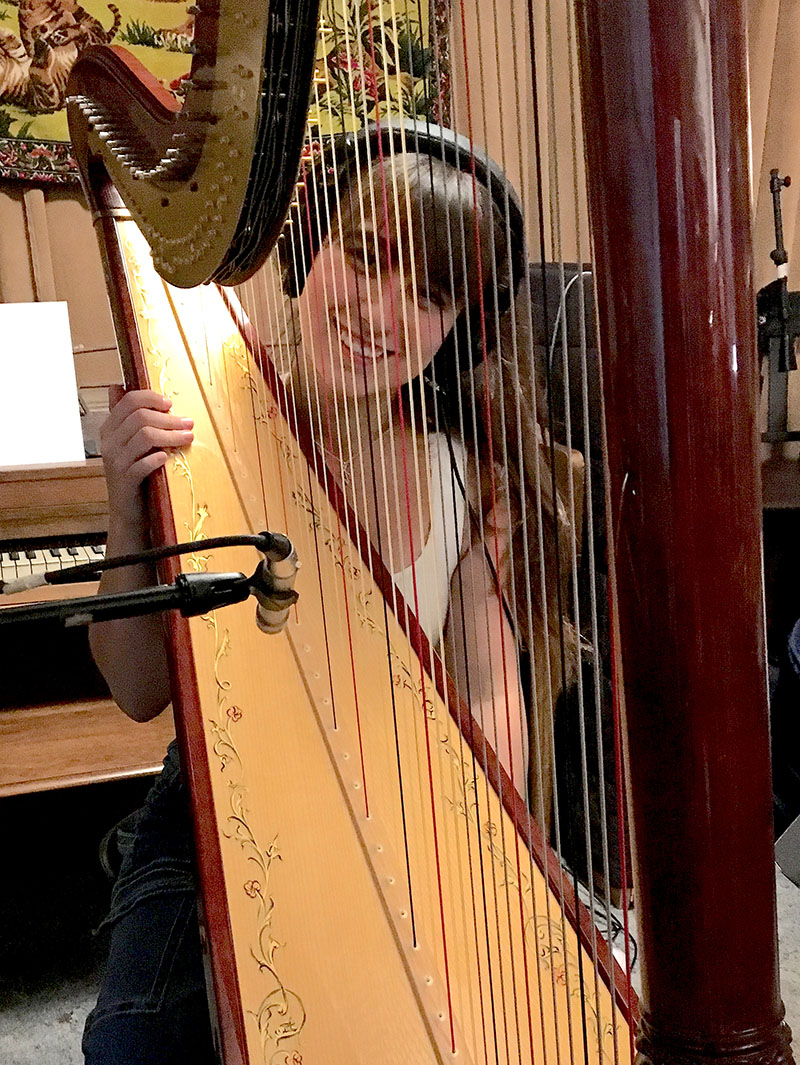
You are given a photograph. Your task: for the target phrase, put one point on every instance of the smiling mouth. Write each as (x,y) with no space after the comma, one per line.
(357,351)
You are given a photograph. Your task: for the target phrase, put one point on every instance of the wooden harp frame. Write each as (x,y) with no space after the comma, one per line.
(665,110)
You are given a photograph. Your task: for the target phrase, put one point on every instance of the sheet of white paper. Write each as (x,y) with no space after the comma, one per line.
(40,420)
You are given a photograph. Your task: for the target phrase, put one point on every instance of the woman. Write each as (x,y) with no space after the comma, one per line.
(422,270)
(397,300)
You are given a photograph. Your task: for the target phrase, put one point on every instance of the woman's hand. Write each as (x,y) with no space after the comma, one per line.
(130,652)
(135,439)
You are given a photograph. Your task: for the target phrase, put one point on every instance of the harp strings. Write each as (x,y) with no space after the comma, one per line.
(371,453)
(562,586)
(513,442)
(490,727)
(593,706)
(500,509)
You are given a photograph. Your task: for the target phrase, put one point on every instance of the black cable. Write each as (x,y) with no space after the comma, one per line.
(272,544)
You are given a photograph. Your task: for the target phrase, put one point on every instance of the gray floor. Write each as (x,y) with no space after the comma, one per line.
(789,936)
(53,895)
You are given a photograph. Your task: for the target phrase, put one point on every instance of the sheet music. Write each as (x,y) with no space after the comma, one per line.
(40,418)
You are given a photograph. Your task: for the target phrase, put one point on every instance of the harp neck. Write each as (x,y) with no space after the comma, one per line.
(208,182)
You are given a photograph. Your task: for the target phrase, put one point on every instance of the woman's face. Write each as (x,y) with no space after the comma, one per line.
(367,327)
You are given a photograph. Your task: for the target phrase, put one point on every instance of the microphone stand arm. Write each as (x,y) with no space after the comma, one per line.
(191,593)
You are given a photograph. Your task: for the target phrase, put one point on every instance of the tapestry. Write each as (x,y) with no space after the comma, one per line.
(39,43)
(373,59)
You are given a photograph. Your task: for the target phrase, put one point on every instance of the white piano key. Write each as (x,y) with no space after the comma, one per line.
(8,569)
(38,564)
(34,560)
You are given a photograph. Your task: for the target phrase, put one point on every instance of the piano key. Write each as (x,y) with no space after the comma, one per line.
(8,568)
(83,556)
(27,559)
(38,563)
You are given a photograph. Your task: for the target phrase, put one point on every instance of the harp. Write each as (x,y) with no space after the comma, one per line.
(368,865)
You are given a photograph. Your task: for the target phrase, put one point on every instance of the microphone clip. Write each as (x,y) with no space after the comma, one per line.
(272,584)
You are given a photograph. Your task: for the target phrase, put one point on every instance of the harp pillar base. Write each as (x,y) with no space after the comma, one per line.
(754,1046)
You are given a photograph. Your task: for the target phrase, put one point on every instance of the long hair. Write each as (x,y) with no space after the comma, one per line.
(450,236)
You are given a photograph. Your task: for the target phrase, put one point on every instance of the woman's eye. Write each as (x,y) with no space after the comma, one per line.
(430,301)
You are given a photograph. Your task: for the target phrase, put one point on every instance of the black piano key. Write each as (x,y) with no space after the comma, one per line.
(14,556)
(72,550)
(55,552)
(97,550)
(30,554)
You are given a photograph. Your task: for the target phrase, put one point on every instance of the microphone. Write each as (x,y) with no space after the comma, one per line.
(273,584)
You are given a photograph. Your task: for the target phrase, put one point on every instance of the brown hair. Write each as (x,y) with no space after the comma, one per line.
(482,384)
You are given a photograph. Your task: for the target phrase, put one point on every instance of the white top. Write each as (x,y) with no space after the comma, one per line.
(438,559)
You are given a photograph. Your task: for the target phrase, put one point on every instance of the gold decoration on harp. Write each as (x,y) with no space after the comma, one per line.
(281,1014)
(278,1011)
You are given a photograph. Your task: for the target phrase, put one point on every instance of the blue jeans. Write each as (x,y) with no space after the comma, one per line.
(152,1008)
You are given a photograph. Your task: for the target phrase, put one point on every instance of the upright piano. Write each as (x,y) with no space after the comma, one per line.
(59,725)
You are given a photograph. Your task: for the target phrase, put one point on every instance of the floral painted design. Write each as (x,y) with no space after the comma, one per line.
(374,60)
(46,161)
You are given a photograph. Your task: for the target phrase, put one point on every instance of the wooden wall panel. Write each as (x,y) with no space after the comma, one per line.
(48,251)
(16,274)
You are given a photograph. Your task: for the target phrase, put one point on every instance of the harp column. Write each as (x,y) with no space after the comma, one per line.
(664,94)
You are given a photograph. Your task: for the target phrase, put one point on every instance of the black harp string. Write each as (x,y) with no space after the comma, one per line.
(287,327)
(588,444)
(466,758)
(436,828)
(469,758)
(536,750)
(441,425)
(297,263)
(543,255)
(563,597)
(396,211)
(328,220)
(372,464)
(533,695)
(415,373)
(464,347)
(518,291)
(456,485)
(568,564)
(522,293)
(315,186)
(360,167)
(314,405)
(492,410)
